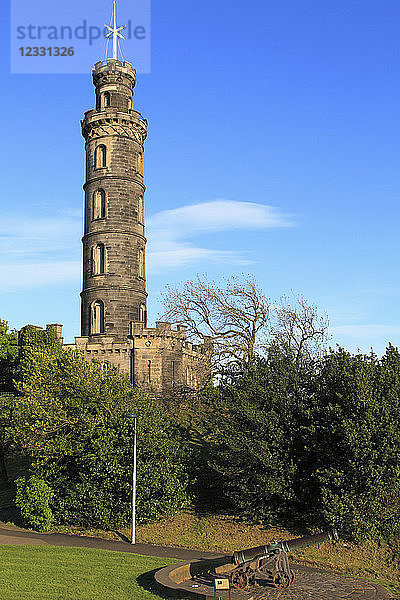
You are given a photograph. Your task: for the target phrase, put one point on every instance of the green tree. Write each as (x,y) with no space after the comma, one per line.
(8,357)
(251,422)
(6,431)
(33,498)
(8,373)
(314,443)
(73,420)
(351,445)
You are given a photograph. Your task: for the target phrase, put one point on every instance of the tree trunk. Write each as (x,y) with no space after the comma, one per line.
(3,468)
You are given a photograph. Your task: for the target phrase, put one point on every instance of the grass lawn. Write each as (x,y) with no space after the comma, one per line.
(52,573)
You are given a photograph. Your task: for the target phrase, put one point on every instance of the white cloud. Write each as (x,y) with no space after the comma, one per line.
(31,275)
(40,251)
(218,215)
(182,255)
(169,231)
(30,236)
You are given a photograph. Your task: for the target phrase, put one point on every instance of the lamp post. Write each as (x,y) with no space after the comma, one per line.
(133,536)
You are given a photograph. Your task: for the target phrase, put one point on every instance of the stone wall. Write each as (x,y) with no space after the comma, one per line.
(159,360)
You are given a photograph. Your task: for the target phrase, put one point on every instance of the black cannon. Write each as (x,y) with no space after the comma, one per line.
(271,562)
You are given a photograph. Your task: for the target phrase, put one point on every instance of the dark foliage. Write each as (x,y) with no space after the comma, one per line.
(311,443)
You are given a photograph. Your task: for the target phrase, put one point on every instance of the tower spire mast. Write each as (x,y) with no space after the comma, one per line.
(114,31)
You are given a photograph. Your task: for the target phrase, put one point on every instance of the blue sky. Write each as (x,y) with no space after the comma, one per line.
(273,149)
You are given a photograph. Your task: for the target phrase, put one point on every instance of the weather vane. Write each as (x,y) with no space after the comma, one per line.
(114,31)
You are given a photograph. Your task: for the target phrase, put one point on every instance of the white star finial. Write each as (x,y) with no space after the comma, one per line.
(114,31)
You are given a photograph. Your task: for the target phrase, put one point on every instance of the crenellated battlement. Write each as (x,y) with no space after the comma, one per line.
(114,72)
(159,359)
(114,83)
(163,331)
(112,64)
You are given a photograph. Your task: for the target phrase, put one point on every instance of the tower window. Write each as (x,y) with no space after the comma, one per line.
(140,163)
(142,313)
(98,259)
(97,317)
(141,209)
(99,204)
(106,99)
(141,263)
(173,372)
(149,371)
(100,156)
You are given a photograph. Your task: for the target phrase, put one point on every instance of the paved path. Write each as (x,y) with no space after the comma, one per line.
(11,536)
(310,583)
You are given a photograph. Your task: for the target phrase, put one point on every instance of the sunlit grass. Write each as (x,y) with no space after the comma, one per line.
(53,573)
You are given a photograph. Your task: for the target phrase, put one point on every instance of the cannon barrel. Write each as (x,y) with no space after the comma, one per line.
(243,556)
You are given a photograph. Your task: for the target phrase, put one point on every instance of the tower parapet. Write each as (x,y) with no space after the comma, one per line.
(160,359)
(165,361)
(114,82)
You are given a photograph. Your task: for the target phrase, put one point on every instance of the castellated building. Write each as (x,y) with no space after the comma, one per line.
(114,313)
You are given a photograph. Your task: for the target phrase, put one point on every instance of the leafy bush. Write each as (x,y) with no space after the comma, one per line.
(33,499)
(73,419)
(351,442)
(93,487)
(313,445)
(252,420)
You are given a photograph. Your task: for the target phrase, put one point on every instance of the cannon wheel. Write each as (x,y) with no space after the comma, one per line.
(251,577)
(239,579)
(282,579)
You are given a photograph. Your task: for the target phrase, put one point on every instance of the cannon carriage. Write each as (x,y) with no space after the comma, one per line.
(271,562)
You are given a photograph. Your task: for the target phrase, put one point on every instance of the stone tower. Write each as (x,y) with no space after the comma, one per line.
(114,330)
(114,290)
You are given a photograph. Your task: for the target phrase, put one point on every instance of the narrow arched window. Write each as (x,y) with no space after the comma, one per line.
(98,259)
(173,372)
(97,317)
(100,156)
(141,263)
(187,376)
(149,371)
(142,313)
(130,103)
(99,204)
(141,209)
(140,163)
(106,99)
